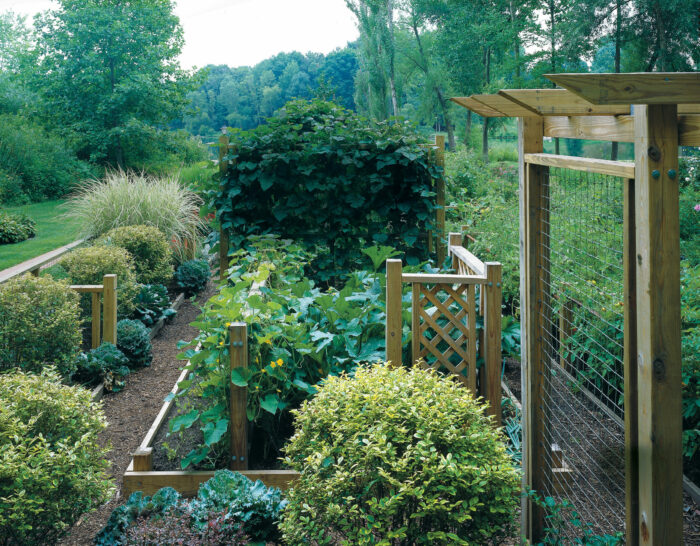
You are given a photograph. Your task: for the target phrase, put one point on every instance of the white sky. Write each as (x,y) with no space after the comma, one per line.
(244,32)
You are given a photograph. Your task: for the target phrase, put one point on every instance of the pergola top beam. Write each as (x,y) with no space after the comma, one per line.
(559,102)
(504,105)
(633,88)
(477,107)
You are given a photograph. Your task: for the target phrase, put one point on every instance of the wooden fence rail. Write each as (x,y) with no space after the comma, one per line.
(444,318)
(35,265)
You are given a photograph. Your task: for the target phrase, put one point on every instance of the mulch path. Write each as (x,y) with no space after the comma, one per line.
(131,411)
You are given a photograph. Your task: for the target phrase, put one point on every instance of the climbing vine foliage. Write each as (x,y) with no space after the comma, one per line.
(319,173)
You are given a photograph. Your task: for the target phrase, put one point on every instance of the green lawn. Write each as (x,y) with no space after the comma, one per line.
(52,231)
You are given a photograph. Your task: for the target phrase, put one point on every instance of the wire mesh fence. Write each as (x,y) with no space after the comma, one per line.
(583,339)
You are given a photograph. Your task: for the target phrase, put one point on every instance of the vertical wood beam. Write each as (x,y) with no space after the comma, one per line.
(96,319)
(109,308)
(630,368)
(223,234)
(492,338)
(143,460)
(238,423)
(530,140)
(440,191)
(393,312)
(415,322)
(455,239)
(658,324)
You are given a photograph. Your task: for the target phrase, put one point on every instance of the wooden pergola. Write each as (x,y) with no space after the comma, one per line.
(657,112)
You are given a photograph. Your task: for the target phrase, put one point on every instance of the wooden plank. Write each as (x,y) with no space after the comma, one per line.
(477,107)
(35,264)
(393,312)
(689,130)
(658,325)
(454,240)
(633,88)
(470,260)
(559,102)
(87,288)
(471,338)
(163,413)
(109,308)
(530,133)
(415,322)
(187,483)
(142,460)
(440,200)
(238,423)
(630,367)
(492,338)
(624,169)
(504,105)
(442,278)
(607,128)
(95,320)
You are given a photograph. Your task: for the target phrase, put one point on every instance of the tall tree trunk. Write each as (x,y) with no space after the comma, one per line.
(618,37)
(664,64)
(392,72)
(448,120)
(516,45)
(485,131)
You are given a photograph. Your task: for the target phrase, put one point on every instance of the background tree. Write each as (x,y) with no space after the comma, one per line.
(109,72)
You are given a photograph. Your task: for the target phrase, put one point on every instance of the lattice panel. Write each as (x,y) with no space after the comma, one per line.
(444,329)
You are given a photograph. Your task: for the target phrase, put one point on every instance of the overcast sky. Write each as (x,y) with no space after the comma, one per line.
(244,32)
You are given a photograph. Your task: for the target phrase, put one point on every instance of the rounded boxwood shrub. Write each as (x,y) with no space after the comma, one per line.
(15,228)
(52,468)
(148,248)
(90,264)
(397,455)
(192,276)
(39,325)
(133,339)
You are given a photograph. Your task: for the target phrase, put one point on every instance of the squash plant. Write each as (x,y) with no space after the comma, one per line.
(322,174)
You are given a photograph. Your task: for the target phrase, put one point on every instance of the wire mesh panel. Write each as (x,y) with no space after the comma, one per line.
(582,339)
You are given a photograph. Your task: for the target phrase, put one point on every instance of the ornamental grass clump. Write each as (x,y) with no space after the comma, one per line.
(52,468)
(131,199)
(39,325)
(397,456)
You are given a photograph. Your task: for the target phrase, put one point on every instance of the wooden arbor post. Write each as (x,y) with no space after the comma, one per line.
(658,324)
(238,423)
(394,326)
(109,308)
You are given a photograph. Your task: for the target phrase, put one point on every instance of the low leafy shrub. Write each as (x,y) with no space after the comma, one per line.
(133,339)
(90,264)
(11,192)
(149,249)
(39,325)
(229,505)
(130,199)
(15,228)
(192,276)
(397,454)
(52,468)
(105,363)
(152,304)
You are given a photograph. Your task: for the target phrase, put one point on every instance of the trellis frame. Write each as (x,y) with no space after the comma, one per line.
(657,112)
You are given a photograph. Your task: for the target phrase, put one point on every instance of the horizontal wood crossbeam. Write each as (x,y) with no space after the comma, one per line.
(559,102)
(36,263)
(622,169)
(442,278)
(504,105)
(477,107)
(633,88)
(472,264)
(87,288)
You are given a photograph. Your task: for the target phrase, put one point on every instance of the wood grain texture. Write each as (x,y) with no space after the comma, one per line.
(658,326)
(608,128)
(624,169)
(504,105)
(142,459)
(477,107)
(559,102)
(34,265)
(443,278)
(238,420)
(633,88)
(109,309)
(87,288)
(95,320)
(689,130)
(492,339)
(472,264)
(393,312)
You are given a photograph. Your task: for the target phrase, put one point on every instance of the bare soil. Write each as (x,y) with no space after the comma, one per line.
(131,411)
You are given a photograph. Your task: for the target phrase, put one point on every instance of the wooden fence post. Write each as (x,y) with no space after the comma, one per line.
(440,191)
(109,308)
(96,319)
(143,459)
(492,339)
(658,324)
(238,355)
(455,239)
(534,463)
(393,312)
(223,234)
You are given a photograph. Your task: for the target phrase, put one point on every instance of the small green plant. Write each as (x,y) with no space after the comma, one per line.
(397,455)
(105,363)
(90,264)
(133,339)
(229,501)
(152,304)
(15,228)
(39,325)
(152,257)
(52,468)
(192,276)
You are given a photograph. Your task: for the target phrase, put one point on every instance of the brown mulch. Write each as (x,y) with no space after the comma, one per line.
(131,411)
